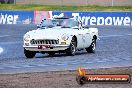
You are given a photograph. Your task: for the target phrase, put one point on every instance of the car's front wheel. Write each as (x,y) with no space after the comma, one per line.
(29,54)
(72,48)
(92,47)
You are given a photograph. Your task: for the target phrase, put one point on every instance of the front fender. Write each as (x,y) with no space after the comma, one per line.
(69,40)
(94,31)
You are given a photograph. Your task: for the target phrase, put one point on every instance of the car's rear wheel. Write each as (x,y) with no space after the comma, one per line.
(29,54)
(72,48)
(92,47)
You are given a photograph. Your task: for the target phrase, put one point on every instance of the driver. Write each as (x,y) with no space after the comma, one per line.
(80,24)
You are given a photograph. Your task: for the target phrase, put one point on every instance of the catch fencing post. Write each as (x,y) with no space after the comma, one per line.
(112,2)
(14,2)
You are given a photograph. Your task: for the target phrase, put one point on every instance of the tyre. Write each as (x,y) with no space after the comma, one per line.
(92,47)
(72,49)
(29,54)
(51,53)
(10,1)
(81,80)
(2,1)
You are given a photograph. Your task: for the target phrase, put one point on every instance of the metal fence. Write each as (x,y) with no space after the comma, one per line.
(72,2)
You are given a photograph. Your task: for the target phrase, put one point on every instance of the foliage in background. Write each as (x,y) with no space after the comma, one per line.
(63,8)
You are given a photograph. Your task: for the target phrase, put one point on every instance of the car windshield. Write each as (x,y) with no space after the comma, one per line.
(57,21)
(69,23)
(63,23)
(46,23)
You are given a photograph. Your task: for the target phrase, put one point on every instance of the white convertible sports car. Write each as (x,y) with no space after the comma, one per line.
(60,35)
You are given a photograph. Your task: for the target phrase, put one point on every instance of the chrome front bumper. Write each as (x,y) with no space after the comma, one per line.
(46,47)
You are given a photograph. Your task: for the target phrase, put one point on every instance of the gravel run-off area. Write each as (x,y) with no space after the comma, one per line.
(61,79)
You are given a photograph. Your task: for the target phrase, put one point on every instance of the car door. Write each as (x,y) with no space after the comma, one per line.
(87,38)
(80,39)
(84,37)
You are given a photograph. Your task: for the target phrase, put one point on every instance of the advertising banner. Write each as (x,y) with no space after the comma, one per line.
(39,15)
(16,17)
(88,18)
(100,18)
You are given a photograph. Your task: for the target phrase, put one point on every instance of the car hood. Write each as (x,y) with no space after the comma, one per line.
(49,33)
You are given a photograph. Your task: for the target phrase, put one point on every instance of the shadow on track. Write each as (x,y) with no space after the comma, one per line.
(61,55)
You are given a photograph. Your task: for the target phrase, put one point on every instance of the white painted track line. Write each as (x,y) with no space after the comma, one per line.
(4,36)
(1,50)
(115,35)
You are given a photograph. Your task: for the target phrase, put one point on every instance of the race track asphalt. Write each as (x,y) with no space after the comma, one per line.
(114,49)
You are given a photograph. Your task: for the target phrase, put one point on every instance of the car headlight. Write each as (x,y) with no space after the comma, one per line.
(27,38)
(65,37)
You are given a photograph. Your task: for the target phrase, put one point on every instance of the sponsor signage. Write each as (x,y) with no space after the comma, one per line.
(100,18)
(16,17)
(83,78)
(88,18)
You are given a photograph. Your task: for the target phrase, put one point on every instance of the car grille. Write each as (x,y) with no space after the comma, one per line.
(36,42)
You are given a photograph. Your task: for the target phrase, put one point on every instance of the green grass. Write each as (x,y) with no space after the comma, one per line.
(63,8)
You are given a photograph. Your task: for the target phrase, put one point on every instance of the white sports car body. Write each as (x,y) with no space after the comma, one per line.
(59,35)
